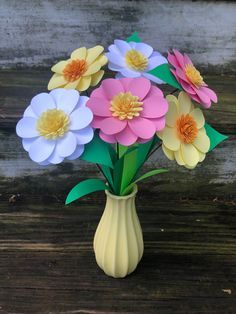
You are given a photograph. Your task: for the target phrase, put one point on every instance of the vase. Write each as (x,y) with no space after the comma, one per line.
(118,241)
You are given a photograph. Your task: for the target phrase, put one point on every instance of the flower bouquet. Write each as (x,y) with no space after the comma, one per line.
(118,127)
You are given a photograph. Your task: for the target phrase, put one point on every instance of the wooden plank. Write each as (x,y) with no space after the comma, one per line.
(47,263)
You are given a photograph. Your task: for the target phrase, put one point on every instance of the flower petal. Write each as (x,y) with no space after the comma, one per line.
(66,145)
(159,123)
(142,127)
(80,118)
(155,62)
(77,153)
(60,66)
(102,59)
(179,57)
(82,102)
(93,53)
(93,68)
(55,158)
(211,94)
(41,149)
(190,154)
(27,142)
(79,53)
(154,107)
(66,100)
(116,58)
(29,113)
(72,85)
(41,103)
(169,153)
(184,103)
(26,128)
(204,98)
(57,80)
(145,49)
(172,60)
(140,87)
(122,45)
(112,87)
(114,67)
(84,83)
(107,138)
(126,137)
(198,117)
(96,77)
(112,125)
(96,122)
(129,73)
(202,142)
(170,138)
(153,78)
(172,113)
(178,157)
(84,136)
(100,107)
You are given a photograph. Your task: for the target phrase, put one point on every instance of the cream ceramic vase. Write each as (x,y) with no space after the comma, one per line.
(118,241)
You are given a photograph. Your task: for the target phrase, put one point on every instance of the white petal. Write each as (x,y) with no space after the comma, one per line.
(77,153)
(80,118)
(42,102)
(145,49)
(114,67)
(114,49)
(68,100)
(155,62)
(129,73)
(82,102)
(26,127)
(122,45)
(66,145)
(29,113)
(116,58)
(27,142)
(152,78)
(41,149)
(85,135)
(55,158)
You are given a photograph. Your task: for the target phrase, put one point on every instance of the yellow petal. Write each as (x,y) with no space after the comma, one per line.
(93,53)
(79,53)
(190,154)
(198,117)
(102,60)
(172,98)
(202,142)
(201,156)
(179,158)
(96,77)
(172,114)
(56,81)
(159,134)
(184,103)
(72,85)
(93,68)
(170,138)
(84,83)
(59,67)
(169,153)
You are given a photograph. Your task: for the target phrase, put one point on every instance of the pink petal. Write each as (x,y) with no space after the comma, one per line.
(100,107)
(107,138)
(142,127)
(210,93)
(141,140)
(159,123)
(187,87)
(126,137)
(112,87)
(98,93)
(187,59)
(112,125)
(155,92)
(96,123)
(139,87)
(179,57)
(172,60)
(204,98)
(175,75)
(182,75)
(154,107)
(126,82)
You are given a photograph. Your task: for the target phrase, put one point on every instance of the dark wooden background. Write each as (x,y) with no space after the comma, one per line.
(188,218)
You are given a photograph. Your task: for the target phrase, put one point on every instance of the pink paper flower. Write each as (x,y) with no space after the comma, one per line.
(190,79)
(127,110)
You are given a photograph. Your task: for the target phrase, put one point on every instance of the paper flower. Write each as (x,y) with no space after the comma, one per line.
(56,126)
(190,79)
(184,137)
(127,110)
(82,70)
(134,60)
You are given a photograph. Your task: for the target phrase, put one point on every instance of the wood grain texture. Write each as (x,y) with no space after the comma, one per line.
(47,264)
(39,32)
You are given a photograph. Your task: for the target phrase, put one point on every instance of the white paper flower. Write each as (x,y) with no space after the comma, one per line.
(134,60)
(56,126)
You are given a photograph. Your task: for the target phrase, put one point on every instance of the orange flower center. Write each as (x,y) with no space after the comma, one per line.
(193,75)
(186,128)
(125,106)
(74,70)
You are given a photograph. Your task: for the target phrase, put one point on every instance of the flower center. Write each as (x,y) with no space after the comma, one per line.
(193,75)
(74,70)
(136,60)
(53,123)
(186,128)
(125,106)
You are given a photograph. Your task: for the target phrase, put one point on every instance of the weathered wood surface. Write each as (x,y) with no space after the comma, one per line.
(47,263)
(215,177)
(36,33)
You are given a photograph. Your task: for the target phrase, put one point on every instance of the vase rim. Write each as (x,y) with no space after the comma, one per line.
(123,197)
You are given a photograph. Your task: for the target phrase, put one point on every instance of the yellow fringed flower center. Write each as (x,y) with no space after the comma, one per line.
(53,123)
(136,60)
(74,70)
(186,128)
(125,106)
(193,75)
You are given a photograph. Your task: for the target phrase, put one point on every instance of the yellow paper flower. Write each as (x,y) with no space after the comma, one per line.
(184,137)
(82,70)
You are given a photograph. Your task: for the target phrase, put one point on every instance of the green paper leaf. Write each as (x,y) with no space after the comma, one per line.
(134,37)
(214,136)
(143,177)
(98,152)
(129,168)
(163,72)
(85,187)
